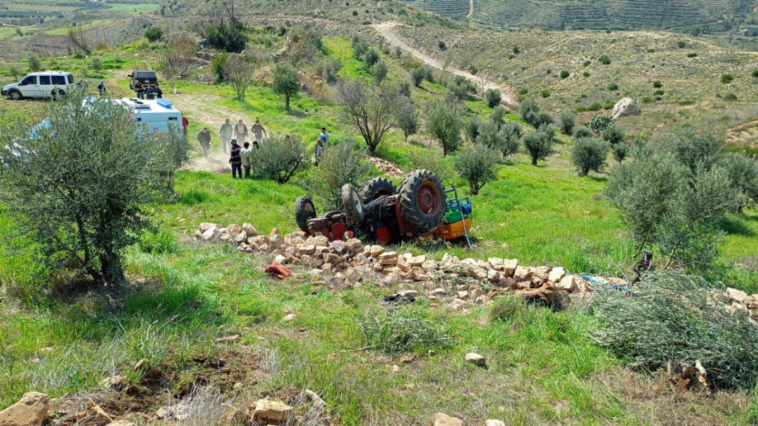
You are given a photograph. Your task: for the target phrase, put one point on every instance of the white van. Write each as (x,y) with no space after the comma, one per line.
(43,84)
(156,114)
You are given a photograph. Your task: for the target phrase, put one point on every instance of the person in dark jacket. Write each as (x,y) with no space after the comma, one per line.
(139,89)
(236,160)
(204,137)
(101,88)
(158,91)
(150,92)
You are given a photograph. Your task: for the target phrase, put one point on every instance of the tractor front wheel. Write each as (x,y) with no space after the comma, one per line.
(304,210)
(375,188)
(352,204)
(422,200)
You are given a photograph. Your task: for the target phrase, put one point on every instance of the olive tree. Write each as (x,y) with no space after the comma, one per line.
(338,165)
(539,145)
(511,133)
(743,176)
(588,154)
(80,184)
(407,117)
(476,164)
(286,82)
(492,97)
(370,109)
(443,122)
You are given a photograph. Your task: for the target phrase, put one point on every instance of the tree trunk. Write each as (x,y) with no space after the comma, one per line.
(287,100)
(444,148)
(534,161)
(112,269)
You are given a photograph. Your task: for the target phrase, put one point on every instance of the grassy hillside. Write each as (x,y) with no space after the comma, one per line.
(182,296)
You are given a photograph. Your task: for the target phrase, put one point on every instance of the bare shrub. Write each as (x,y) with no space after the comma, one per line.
(401,330)
(178,59)
(76,37)
(240,72)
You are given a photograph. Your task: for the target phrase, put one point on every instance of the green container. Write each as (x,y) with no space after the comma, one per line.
(453,215)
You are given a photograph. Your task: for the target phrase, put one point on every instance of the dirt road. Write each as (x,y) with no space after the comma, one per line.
(386,30)
(470,8)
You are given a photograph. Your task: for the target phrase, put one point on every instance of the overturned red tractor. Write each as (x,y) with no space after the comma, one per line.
(381,212)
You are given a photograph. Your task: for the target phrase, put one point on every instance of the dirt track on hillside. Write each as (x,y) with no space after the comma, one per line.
(386,30)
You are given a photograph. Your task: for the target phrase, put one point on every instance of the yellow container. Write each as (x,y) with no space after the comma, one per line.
(454,230)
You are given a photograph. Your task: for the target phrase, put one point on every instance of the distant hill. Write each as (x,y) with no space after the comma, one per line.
(686,15)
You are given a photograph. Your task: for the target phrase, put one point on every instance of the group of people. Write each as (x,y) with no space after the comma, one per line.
(149,91)
(234,138)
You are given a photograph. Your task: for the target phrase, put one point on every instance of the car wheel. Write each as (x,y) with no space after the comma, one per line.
(58,94)
(15,95)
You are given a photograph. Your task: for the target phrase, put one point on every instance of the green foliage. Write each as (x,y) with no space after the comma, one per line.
(279,159)
(511,134)
(587,63)
(679,319)
(516,50)
(583,132)
(498,116)
(692,55)
(34,63)
(218,66)
(492,97)
(407,117)
(370,109)
(370,58)
(523,91)
(360,45)
(424,72)
(441,45)
(599,123)
(681,44)
(329,69)
(613,87)
(227,36)
(659,93)
(440,166)
(613,134)
(477,164)
(565,74)
(605,60)
(14,71)
(657,84)
(443,123)
(153,34)
(286,81)
(471,127)
(566,123)
(459,88)
(92,209)
(401,330)
(726,78)
(730,97)
(620,151)
(96,64)
(588,154)
(545,93)
(529,111)
(754,73)
(539,145)
(743,176)
(379,71)
(586,74)
(158,242)
(675,198)
(338,165)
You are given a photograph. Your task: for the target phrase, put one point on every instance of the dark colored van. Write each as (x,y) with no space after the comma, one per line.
(143,77)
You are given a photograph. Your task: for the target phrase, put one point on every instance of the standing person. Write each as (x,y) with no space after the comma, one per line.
(319,149)
(101,88)
(240,131)
(139,89)
(226,134)
(324,137)
(204,137)
(259,131)
(185,124)
(150,92)
(158,91)
(235,160)
(246,154)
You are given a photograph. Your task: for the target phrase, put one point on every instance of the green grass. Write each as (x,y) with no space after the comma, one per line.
(88,26)
(134,8)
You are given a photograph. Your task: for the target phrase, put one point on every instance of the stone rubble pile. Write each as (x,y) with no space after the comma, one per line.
(386,167)
(339,263)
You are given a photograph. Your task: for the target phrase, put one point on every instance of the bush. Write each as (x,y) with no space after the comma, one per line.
(227,36)
(659,93)
(620,151)
(600,123)
(511,134)
(613,87)
(92,210)
(565,74)
(657,84)
(424,72)
(14,71)
(567,123)
(339,164)
(498,115)
(588,154)
(492,97)
(545,93)
(476,164)
(539,145)
(34,63)
(692,55)
(329,70)
(218,66)
(401,330)
(583,132)
(359,44)
(440,166)
(678,319)
(278,160)
(681,44)
(443,122)
(605,60)
(157,243)
(379,71)
(730,97)
(726,78)
(523,91)
(441,45)
(755,73)
(471,128)
(516,50)
(542,119)
(153,34)
(743,177)
(530,112)
(613,134)
(407,117)
(586,63)
(370,57)
(96,64)
(286,82)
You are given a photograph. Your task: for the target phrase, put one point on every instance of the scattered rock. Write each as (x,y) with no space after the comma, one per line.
(509,266)
(228,339)
(290,317)
(567,283)
(556,274)
(121,423)
(476,359)
(211,234)
(233,230)
(376,251)
(249,229)
(388,258)
(274,411)
(96,415)
(206,226)
(442,419)
(395,369)
(494,423)
(315,399)
(30,410)
(736,295)
(521,273)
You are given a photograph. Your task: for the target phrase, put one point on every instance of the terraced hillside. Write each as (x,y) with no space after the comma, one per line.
(592,14)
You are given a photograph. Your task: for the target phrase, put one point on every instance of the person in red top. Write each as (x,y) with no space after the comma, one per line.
(185,123)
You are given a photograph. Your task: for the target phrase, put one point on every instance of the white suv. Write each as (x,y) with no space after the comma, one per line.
(43,84)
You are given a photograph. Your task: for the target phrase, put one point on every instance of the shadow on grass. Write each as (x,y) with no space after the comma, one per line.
(735,226)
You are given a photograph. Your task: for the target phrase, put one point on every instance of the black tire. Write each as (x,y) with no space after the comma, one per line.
(375,188)
(57,94)
(352,204)
(304,210)
(15,95)
(422,200)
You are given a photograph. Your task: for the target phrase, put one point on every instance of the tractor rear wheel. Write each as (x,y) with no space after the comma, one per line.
(352,204)
(375,188)
(422,200)
(304,210)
